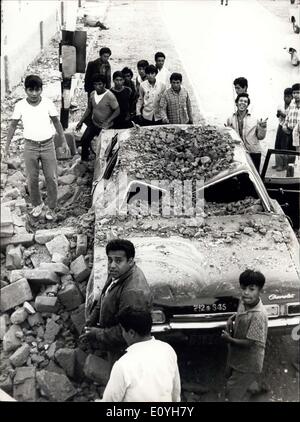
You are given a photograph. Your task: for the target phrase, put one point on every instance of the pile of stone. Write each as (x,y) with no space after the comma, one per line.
(170,153)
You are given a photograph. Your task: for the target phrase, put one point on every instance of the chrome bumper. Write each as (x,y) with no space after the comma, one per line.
(272,323)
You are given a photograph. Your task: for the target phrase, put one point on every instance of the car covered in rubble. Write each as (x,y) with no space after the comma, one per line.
(193,248)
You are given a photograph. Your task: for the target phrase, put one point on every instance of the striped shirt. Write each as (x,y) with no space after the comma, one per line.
(175,107)
(292,116)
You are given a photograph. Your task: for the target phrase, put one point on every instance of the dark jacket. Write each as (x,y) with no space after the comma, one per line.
(131,290)
(96,66)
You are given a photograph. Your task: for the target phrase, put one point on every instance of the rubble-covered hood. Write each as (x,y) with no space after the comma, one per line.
(181,269)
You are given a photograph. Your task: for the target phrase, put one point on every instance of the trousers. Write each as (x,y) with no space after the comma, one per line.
(44,153)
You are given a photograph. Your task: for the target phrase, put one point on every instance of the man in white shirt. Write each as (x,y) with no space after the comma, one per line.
(163,74)
(39,117)
(148,372)
(147,106)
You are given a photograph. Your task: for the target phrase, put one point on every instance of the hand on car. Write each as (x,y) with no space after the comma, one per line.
(89,334)
(65,149)
(226,336)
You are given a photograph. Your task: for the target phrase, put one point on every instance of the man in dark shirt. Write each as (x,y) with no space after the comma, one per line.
(123,95)
(128,75)
(100,66)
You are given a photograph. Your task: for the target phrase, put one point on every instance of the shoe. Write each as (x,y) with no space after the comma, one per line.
(274,167)
(50,214)
(36,212)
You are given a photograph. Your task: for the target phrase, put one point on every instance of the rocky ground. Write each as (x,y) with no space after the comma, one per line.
(45,266)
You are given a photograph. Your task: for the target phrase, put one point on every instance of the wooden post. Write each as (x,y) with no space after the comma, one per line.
(42,34)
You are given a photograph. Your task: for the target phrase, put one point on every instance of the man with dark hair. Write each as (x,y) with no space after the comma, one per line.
(38,115)
(281,141)
(99,66)
(101,111)
(123,96)
(163,74)
(126,286)
(141,77)
(175,104)
(292,117)
(250,130)
(246,334)
(128,75)
(148,372)
(240,85)
(147,106)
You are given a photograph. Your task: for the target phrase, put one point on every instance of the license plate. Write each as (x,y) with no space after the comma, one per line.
(214,307)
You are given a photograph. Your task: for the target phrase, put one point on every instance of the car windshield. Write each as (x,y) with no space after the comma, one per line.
(233,195)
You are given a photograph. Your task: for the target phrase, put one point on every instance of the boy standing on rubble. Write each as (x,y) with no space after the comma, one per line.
(246,334)
(38,115)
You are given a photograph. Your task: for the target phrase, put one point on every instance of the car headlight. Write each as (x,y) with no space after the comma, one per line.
(158,317)
(293,308)
(272,310)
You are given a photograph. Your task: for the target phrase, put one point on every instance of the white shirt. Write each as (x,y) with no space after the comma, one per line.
(98,97)
(148,372)
(149,99)
(164,76)
(36,119)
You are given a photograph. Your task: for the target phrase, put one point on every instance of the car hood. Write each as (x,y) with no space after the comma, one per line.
(180,270)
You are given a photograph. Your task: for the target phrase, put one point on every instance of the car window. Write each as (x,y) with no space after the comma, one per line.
(281,166)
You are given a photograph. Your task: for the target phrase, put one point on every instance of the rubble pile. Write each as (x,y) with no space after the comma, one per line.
(169,153)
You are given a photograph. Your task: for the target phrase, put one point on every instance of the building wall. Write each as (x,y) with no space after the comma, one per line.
(26,27)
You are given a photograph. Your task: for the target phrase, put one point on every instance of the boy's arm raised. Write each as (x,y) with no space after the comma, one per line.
(10,134)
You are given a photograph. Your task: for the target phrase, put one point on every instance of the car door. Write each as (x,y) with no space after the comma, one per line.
(284,185)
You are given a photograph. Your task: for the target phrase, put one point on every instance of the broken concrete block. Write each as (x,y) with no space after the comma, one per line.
(66,279)
(24,385)
(14,163)
(17,179)
(55,267)
(66,359)
(81,247)
(64,193)
(40,255)
(97,369)
(80,269)
(78,318)
(67,179)
(52,329)
(56,387)
(16,275)
(6,217)
(6,383)
(46,304)
(59,244)
(19,357)
(19,316)
(57,257)
(24,238)
(29,308)
(11,339)
(21,203)
(14,257)
(70,296)
(7,231)
(15,294)
(44,236)
(41,277)
(4,321)
(51,351)
(12,194)
(53,367)
(35,319)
